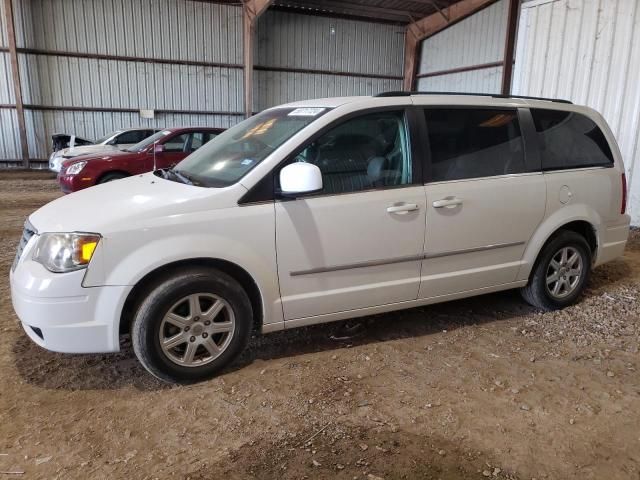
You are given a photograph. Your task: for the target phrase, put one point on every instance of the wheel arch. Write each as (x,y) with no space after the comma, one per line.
(110,172)
(146,283)
(585,224)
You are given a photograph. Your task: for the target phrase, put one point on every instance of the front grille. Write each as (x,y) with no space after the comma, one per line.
(27,233)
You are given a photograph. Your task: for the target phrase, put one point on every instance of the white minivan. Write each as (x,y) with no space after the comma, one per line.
(324,210)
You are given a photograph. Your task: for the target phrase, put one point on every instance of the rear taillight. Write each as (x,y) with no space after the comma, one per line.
(623,207)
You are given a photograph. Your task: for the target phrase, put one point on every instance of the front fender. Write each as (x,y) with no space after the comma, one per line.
(127,257)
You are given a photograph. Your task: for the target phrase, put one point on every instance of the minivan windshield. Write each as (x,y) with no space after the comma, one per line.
(230,155)
(140,146)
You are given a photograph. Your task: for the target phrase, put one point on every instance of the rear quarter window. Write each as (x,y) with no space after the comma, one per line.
(570,140)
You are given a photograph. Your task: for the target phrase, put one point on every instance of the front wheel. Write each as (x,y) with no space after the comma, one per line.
(561,272)
(191,325)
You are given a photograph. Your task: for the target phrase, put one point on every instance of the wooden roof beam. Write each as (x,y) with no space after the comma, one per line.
(251,11)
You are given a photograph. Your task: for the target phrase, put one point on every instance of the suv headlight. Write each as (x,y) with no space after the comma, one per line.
(65,252)
(75,168)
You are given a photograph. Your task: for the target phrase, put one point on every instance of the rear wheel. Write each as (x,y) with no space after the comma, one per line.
(109,177)
(561,272)
(191,325)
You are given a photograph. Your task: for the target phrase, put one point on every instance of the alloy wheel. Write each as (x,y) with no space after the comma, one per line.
(197,329)
(564,272)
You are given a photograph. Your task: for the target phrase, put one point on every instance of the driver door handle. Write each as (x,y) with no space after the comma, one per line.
(403,208)
(447,202)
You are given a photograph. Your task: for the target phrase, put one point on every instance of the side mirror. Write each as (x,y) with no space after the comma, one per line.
(158,148)
(298,178)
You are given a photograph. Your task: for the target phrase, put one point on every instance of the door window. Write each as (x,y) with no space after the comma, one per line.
(177,143)
(200,138)
(474,142)
(570,140)
(367,152)
(131,137)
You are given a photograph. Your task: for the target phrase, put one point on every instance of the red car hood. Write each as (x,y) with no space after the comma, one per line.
(116,155)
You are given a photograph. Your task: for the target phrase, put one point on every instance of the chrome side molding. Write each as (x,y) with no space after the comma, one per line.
(349,266)
(472,250)
(410,258)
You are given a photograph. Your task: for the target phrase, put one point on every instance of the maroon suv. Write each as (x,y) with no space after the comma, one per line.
(162,150)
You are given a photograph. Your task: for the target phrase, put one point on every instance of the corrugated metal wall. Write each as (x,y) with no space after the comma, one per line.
(180,57)
(477,40)
(88,66)
(291,48)
(9,140)
(587,51)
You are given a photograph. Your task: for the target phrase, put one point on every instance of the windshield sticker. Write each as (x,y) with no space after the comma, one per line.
(246,161)
(306,112)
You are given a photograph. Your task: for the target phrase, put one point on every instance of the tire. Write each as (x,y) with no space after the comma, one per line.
(168,315)
(109,177)
(539,292)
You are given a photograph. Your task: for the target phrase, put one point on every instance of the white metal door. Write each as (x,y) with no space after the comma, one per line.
(349,251)
(477,231)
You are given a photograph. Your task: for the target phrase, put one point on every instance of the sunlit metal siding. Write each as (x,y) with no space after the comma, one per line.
(476,40)
(587,51)
(309,42)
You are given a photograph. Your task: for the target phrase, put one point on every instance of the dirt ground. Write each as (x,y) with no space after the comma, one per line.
(484,387)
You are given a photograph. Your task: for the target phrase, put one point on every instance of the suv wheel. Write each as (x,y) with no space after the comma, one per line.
(191,325)
(561,272)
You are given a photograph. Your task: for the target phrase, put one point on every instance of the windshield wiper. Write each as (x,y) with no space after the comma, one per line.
(172,175)
(184,178)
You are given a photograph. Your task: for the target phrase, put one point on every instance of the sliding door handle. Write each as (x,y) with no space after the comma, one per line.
(447,202)
(403,208)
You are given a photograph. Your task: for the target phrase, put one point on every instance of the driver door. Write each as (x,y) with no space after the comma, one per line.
(359,242)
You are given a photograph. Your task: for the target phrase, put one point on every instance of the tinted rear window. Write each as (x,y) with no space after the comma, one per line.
(570,140)
(474,142)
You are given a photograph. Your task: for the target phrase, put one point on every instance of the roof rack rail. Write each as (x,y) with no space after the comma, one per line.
(493,95)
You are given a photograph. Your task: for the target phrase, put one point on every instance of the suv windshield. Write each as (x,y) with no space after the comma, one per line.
(230,155)
(140,146)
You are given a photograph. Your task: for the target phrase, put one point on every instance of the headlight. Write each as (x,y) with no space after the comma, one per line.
(64,252)
(75,168)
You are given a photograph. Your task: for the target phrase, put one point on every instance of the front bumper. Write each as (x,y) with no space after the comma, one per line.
(73,183)
(59,314)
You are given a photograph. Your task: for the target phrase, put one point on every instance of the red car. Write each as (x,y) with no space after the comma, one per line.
(162,150)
